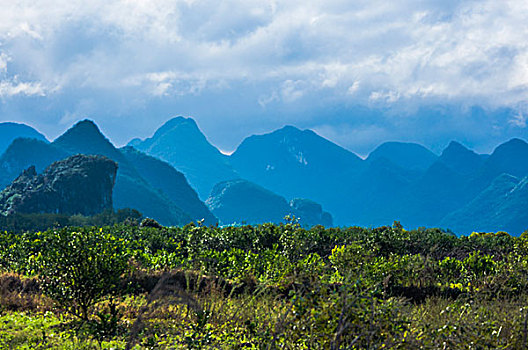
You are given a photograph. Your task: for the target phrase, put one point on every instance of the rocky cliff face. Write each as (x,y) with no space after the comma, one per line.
(79,184)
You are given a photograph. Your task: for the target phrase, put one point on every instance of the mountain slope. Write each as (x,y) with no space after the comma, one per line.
(241,201)
(410,156)
(375,194)
(298,163)
(23,153)
(460,159)
(11,131)
(180,143)
(501,206)
(508,158)
(131,189)
(160,175)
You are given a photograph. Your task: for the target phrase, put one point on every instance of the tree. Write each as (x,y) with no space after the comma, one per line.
(78,267)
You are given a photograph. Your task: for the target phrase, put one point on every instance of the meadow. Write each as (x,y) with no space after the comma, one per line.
(262,287)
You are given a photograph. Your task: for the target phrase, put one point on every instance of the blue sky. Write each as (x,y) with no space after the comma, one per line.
(357,72)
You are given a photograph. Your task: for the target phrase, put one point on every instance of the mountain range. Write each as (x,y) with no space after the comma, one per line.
(170,175)
(135,187)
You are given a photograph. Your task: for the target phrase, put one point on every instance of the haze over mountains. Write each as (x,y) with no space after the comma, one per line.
(458,189)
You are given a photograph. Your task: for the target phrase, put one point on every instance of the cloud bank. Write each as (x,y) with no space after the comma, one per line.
(268,60)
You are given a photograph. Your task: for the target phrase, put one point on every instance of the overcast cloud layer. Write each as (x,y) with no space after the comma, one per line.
(358,72)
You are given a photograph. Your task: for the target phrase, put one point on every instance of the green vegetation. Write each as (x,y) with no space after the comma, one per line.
(262,287)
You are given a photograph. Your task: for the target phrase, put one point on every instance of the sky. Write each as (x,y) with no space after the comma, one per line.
(357,72)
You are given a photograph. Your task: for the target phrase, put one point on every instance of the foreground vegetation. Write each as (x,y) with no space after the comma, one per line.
(262,287)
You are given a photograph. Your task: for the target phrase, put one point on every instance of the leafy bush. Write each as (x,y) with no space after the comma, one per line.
(78,267)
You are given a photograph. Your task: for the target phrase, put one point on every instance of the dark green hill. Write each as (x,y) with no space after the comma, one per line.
(241,201)
(11,131)
(131,189)
(180,143)
(76,185)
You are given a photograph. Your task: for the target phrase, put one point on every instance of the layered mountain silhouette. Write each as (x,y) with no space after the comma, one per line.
(131,189)
(241,201)
(180,143)
(501,206)
(397,181)
(458,189)
(460,159)
(406,155)
(298,164)
(161,176)
(11,131)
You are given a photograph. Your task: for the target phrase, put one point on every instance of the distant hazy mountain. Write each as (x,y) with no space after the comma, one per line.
(310,213)
(241,201)
(501,206)
(459,189)
(438,192)
(180,143)
(409,156)
(11,131)
(376,194)
(443,187)
(297,163)
(85,137)
(460,159)
(23,153)
(131,189)
(160,175)
(508,158)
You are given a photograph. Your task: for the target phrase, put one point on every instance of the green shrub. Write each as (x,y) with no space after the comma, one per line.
(77,268)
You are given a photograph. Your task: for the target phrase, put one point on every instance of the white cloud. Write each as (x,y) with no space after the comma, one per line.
(11,88)
(519,121)
(3,62)
(400,51)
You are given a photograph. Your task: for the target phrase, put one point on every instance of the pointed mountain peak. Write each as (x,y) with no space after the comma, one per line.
(455,149)
(404,154)
(84,127)
(455,146)
(460,158)
(86,138)
(513,146)
(180,131)
(177,122)
(289,129)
